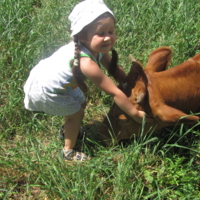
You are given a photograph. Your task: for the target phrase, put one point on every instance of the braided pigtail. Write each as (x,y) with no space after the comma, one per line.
(77,74)
(114,69)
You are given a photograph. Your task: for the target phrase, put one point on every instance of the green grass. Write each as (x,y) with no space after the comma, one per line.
(163,165)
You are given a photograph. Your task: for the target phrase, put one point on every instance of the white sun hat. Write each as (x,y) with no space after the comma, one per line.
(86,12)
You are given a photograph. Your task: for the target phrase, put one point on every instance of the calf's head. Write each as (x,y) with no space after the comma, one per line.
(117,125)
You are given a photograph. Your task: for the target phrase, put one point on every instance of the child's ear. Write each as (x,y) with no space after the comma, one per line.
(81,37)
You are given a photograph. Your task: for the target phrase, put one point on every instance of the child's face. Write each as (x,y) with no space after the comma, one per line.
(100,36)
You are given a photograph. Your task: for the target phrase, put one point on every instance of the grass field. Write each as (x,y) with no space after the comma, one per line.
(162,165)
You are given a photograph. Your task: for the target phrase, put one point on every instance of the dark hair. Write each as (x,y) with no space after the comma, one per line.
(77,74)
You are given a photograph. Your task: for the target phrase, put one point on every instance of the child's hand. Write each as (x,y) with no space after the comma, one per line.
(149,119)
(141,115)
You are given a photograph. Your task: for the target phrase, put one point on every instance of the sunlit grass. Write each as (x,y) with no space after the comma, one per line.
(162,165)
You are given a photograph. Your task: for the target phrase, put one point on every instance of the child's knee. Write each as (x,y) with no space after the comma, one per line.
(76,116)
(83,105)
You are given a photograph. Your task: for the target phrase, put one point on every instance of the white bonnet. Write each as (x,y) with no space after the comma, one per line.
(86,12)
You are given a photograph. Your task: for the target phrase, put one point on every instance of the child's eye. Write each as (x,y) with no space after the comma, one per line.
(100,34)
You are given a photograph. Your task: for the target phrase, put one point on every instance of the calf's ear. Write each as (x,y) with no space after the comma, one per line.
(132,58)
(197,58)
(159,59)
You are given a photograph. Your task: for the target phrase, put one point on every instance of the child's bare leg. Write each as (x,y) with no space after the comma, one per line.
(83,105)
(71,128)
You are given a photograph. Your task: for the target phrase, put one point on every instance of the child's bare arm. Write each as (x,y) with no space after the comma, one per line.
(91,70)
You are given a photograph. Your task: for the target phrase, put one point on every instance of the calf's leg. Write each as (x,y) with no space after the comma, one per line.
(171,116)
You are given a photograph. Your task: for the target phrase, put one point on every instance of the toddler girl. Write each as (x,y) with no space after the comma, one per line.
(56,84)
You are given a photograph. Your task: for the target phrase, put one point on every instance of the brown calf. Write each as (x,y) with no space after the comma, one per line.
(169,96)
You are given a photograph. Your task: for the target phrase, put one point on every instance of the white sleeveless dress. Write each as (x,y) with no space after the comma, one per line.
(50,87)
